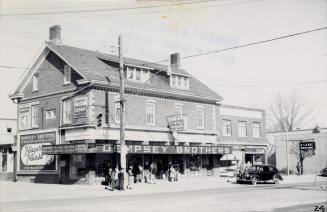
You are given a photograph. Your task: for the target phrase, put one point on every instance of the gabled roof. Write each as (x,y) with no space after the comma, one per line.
(99,67)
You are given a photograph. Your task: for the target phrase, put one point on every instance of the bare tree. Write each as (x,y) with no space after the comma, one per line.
(300,154)
(287,112)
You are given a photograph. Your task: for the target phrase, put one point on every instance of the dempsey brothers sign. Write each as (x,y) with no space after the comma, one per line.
(134,149)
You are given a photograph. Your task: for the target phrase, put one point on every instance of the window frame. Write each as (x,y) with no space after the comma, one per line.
(150,110)
(224,127)
(239,128)
(52,113)
(179,81)
(67,75)
(200,117)
(258,128)
(35,82)
(34,116)
(67,111)
(117,112)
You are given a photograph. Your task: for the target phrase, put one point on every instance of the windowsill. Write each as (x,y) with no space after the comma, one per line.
(200,128)
(34,91)
(242,136)
(227,135)
(67,83)
(151,125)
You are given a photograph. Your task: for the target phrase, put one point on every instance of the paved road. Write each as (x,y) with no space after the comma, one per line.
(264,197)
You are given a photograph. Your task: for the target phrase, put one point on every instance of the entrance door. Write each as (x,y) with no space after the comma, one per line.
(162,162)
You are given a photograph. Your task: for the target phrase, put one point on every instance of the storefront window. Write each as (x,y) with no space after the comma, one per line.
(77,168)
(195,164)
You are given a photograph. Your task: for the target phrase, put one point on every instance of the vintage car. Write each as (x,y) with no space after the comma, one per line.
(323,172)
(260,173)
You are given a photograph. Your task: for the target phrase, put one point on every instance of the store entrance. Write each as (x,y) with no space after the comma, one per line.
(162,163)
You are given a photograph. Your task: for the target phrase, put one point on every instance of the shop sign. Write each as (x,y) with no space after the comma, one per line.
(80,107)
(307,145)
(177,124)
(76,149)
(31,155)
(255,150)
(145,149)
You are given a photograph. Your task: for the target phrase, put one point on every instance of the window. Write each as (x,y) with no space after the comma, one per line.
(200,118)
(178,81)
(9,130)
(137,74)
(35,116)
(179,111)
(35,82)
(117,112)
(67,111)
(50,114)
(256,130)
(67,74)
(227,128)
(242,129)
(150,113)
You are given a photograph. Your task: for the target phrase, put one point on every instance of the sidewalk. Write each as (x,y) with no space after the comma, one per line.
(24,191)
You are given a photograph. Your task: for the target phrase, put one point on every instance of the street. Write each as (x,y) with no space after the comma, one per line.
(244,197)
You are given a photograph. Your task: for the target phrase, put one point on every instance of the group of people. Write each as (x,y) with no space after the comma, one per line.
(121,179)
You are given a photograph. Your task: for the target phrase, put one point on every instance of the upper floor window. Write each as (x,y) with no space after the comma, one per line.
(67,74)
(200,118)
(256,130)
(35,116)
(177,81)
(242,129)
(35,82)
(227,128)
(150,113)
(50,114)
(9,129)
(137,74)
(179,110)
(67,111)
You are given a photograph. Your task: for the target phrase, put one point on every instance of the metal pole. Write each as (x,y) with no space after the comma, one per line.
(287,153)
(122,106)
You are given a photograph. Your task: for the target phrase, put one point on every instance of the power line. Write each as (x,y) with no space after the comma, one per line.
(108,9)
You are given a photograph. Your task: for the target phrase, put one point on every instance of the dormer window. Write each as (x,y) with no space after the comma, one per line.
(178,81)
(35,82)
(137,74)
(67,75)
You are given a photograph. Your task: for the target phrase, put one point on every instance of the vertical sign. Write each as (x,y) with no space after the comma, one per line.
(80,107)
(31,156)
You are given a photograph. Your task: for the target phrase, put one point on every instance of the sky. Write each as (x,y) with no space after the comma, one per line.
(251,76)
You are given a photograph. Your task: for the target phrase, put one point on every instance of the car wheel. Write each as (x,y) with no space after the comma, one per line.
(254,180)
(275,179)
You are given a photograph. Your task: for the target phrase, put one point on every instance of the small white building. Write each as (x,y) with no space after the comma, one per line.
(312,164)
(7,140)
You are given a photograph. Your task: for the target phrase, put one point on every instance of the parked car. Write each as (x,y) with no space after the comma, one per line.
(323,172)
(260,173)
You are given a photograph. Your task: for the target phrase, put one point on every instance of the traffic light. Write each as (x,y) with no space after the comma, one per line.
(99,120)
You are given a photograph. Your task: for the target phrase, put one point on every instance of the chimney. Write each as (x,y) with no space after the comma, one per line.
(55,34)
(175,60)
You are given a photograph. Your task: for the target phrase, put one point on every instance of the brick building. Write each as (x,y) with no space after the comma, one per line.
(69,117)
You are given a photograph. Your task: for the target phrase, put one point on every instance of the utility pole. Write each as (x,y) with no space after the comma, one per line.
(287,153)
(122,106)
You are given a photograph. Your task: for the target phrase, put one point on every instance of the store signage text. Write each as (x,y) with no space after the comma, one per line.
(80,107)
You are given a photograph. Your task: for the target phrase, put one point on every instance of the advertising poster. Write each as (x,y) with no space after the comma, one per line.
(80,107)
(31,156)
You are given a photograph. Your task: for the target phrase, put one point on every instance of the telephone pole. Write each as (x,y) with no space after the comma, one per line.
(122,106)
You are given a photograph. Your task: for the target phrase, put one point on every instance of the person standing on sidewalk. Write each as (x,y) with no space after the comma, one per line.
(130,178)
(109,177)
(298,168)
(121,179)
(114,177)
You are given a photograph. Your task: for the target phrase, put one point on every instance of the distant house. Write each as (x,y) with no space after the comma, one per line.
(69,118)
(312,164)
(7,140)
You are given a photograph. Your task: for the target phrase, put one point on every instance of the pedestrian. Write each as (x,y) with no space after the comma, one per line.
(109,179)
(114,177)
(141,174)
(130,178)
(121,179)
(298,168)
(172,174)
(153,172)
